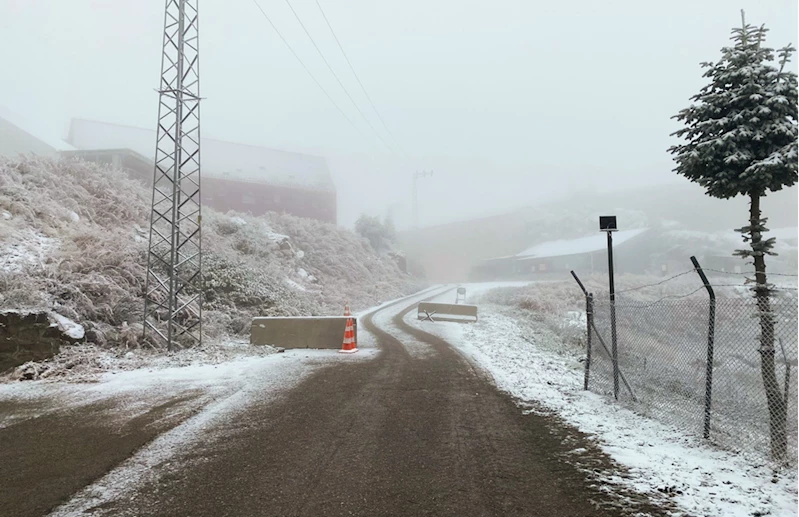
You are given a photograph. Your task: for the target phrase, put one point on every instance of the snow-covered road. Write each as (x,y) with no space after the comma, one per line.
(145,416)
(532,364)
(128,429)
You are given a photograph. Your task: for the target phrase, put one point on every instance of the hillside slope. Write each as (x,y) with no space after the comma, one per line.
(448,252)
(73,239)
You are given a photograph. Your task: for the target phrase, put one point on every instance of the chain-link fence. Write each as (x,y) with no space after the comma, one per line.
(662,350)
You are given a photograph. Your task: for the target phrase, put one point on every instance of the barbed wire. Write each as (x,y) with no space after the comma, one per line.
(651,304)
(701,269)
(748,272)
(657,283)
(750,286)
(680,296)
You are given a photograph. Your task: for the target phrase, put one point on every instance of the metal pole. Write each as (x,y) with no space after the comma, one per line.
(173,288)
(415,200)
(621,373)
(579,282)
(614,344)
(176,180)
(416,177)
(589,316)
(711,331)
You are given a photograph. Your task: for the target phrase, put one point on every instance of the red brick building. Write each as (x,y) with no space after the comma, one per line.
(238,177)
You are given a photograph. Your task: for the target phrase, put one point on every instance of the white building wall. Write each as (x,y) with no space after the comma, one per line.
(15,142)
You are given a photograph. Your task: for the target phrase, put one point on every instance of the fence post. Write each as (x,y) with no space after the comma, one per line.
(711,333)
(585,292)
(613,338)
(589,318)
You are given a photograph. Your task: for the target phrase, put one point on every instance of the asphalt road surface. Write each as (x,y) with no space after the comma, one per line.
(396,435)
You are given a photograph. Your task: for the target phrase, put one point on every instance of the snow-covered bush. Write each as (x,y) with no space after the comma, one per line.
(73,238)
(550,303)
(380,235)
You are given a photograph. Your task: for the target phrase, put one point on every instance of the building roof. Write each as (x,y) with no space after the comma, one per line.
(122,151)
(219,158)
(587,244)
(26,125)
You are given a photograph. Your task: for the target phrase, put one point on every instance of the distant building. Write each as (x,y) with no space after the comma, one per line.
(19,137)
(640,251)
(586,254)
(236,177)
(448,252)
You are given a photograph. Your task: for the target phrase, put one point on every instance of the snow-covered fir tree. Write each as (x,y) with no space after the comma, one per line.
(741,139)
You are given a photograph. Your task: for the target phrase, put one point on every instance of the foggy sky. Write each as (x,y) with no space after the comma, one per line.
(510,102)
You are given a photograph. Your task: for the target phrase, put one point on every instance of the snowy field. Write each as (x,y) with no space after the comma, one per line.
(531,363)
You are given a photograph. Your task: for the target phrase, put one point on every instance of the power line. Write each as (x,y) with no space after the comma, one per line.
(310,74)
(369,98)
(337,78)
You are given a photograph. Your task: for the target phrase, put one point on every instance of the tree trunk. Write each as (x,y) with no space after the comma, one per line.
(777,409)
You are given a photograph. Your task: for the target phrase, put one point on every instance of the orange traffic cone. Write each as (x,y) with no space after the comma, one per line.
(349,345)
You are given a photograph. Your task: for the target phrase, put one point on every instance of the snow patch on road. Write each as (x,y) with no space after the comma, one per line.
(234,386)
(415,348)
(535,366)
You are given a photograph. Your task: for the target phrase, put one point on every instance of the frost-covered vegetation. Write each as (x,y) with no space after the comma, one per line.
(560,304)
(73,239)
(380,234)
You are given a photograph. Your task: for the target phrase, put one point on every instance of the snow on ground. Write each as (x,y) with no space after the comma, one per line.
(69,327)
(534,365)
(475,289)
(228,387)
(430,291)
(87,362)
(84,373)
(416,349)
(231,388)
(295,285)
(24,248)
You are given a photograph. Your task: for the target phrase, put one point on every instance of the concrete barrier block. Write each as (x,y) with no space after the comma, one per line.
(447,311)
(300,332)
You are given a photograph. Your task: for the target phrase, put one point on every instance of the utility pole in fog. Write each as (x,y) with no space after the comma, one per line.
(173,291)
(416,176)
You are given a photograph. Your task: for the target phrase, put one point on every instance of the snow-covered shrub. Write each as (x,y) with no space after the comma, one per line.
(73,239)
(552,303)
(379,234)
(101,273)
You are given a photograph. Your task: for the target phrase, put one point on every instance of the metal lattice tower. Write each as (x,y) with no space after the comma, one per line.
(173,297)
